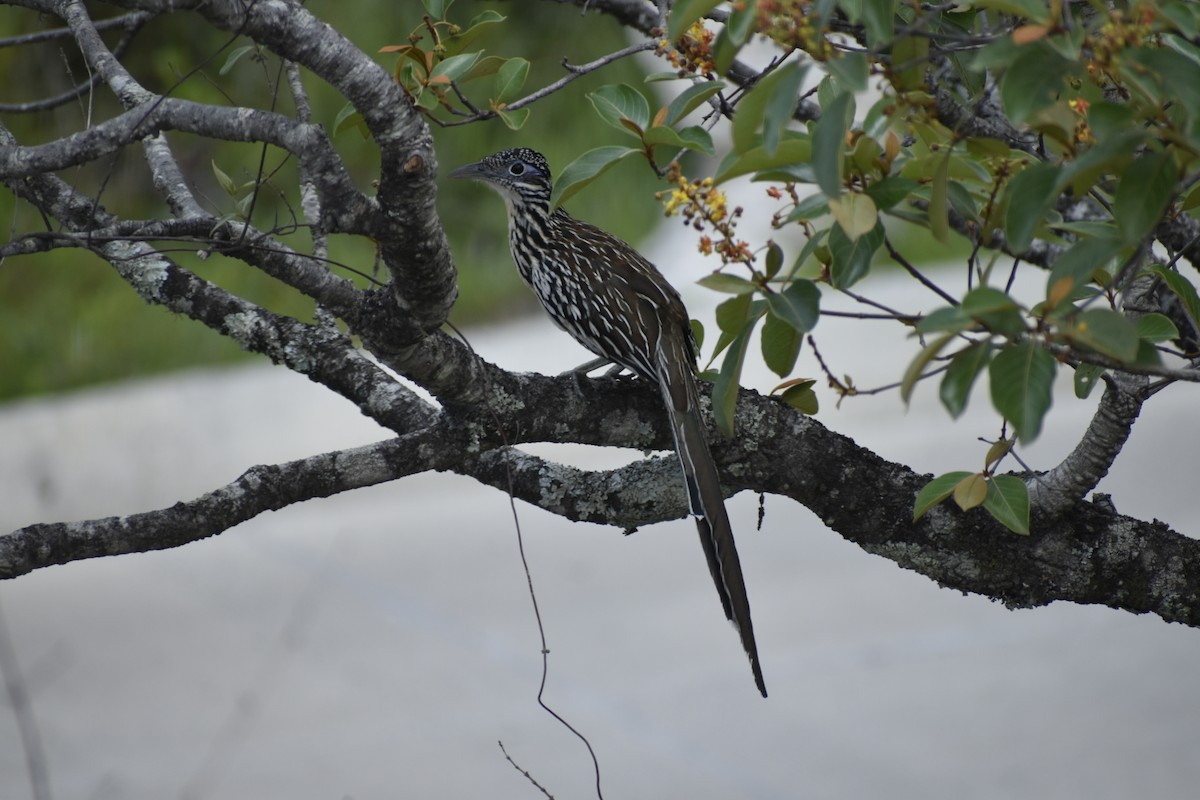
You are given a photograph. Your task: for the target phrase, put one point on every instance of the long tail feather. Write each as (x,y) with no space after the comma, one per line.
(707,504)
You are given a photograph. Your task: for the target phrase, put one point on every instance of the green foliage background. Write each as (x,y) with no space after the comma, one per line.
(67,320)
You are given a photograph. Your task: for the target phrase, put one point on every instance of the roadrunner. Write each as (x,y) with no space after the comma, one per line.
(616,304)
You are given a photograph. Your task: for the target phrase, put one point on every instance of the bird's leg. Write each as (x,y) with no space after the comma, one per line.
(588,366)
(581,372)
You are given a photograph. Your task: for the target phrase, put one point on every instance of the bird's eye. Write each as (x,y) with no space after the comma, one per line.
(516,168)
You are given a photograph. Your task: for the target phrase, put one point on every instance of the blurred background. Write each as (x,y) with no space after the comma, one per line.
(382,643)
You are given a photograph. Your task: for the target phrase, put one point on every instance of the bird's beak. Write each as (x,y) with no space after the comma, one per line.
(473,172)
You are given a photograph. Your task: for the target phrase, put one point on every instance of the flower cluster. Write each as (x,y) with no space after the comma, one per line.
(1120,32)
(703,205)
(693,53)
(1083,131)
(789,22)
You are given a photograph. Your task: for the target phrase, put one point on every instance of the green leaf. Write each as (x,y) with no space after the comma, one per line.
(741,22)
(455,67)
(620,101)
(690,99)
(852,259)
(458,42)
(781,105)
(828,141)
(948,318)
(725,387)
(752,109)
(234,57)
(1086,378)
(510,78)
(727,284)
(936,491)
(1008,501)
(585,169)
(1030,195)
(1022,375)
(1032,81)
(939,206)
(798,305)
(789,152)
(1143,195)
(960,376)
(514,119)
(348,117)
(890,191)
(780,344)
(684,13)
(801,397)
(1155,327)
(917,366)
(1183,289)
(437,8)
(851,71)
(226,183)
(1080,261)
(995,310)
(696,138)
(879,18)
(1104,331)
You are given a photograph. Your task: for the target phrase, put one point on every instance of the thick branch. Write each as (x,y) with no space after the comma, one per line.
(258,489)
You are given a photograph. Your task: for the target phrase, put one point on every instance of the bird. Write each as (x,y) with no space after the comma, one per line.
(615,303)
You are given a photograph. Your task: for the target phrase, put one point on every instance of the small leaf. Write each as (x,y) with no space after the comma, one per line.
(1104,331)
(960,376)
(997,451)
(696,138)
(348,117)
(936,491)
(1183,289)
(1030,196)
(234,56)
(790,152)
(1086,378)
(1143,195)
(684,13)
(828,142)
(1032,80)
(1022,375)
(802,398)
(726,283)
(781,106)
(1078,263)
(1008,502)
(514,119)
(939,206)
(454,67)
(971,491)
(437,8)
(851,71)
(855,212)
(1155,327)
(510,78)
(798,305)
(852,259)
(690,98)
(585,169)
(918,364)
(780,344)
(620,101)
(725,388)
(224,181)
(995,310)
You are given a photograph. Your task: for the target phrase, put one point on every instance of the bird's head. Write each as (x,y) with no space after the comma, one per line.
(520,175)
